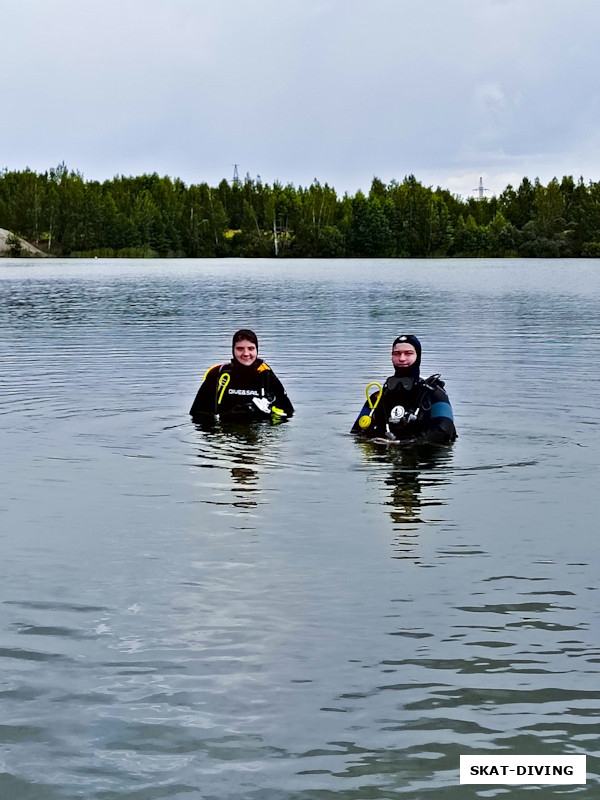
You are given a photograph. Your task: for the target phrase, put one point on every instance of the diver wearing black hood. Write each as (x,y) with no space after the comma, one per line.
(408,409)
(243,389)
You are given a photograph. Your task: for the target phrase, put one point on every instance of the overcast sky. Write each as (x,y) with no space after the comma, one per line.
(338,90)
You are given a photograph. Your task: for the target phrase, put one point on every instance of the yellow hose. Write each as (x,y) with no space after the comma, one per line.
(223,382)
(367,419)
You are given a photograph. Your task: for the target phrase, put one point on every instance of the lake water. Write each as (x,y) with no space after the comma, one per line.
(283,612)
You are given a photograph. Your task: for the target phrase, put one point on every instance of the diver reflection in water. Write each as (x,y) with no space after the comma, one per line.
(408,409)
(240,450)
(410,478)
(413,419)
(244,389)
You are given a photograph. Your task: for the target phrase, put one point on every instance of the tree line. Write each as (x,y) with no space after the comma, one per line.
(145,216)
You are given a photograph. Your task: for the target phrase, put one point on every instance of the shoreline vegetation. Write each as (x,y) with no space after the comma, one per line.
(59,213)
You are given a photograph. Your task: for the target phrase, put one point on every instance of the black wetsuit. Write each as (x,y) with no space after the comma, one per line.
(228,389)
(412,410)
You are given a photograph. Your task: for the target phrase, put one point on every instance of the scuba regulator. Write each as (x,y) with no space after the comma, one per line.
(402,416)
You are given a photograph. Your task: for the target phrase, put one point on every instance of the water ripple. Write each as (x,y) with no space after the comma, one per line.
(282,612)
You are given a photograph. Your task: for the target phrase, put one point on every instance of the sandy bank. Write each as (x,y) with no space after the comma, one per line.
(26,248)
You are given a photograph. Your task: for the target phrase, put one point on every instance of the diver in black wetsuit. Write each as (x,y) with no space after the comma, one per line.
(244,389)
(410,409)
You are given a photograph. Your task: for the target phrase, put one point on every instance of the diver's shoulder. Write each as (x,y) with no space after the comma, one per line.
(214,370)
(434,384)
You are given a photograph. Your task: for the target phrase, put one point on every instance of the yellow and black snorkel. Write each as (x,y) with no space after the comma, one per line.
(365,419)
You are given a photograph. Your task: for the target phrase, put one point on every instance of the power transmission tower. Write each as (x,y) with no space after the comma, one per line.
(480,190)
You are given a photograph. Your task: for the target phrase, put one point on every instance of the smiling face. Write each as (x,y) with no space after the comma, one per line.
(245,352)
(403,355)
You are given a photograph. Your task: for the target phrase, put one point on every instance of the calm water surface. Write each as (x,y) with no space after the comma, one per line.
(283,612)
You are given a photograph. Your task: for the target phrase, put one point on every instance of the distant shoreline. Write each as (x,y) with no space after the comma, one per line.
(58,213)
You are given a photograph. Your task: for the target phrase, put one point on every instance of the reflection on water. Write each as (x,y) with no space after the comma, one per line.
(243,450)
(411,478)
(284,612)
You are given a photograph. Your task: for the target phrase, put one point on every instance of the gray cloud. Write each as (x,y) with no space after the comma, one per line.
(337,90)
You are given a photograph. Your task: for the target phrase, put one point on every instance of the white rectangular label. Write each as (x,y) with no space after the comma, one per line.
(522,769)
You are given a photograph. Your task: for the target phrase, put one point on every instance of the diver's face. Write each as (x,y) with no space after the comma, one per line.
(403,355)
(245,352)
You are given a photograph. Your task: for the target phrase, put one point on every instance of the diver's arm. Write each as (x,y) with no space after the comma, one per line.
(442,432)
(281,401)
(204,402)
(440,421)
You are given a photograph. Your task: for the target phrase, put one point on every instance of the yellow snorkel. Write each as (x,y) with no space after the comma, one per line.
(366,419)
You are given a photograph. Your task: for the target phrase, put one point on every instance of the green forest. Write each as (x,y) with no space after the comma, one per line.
(150,216)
